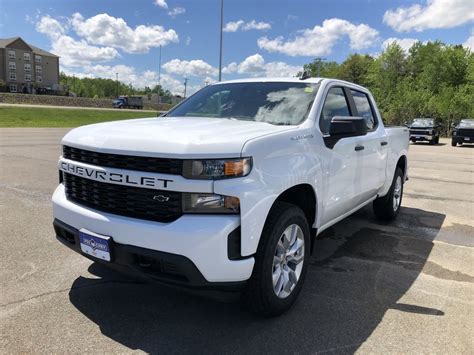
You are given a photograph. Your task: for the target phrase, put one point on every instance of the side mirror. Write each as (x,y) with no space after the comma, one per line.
(347,126)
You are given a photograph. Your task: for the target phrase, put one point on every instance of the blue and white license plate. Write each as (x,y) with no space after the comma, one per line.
(95,245)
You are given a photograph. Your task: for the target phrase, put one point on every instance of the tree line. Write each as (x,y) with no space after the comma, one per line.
(429,80)
(105,88)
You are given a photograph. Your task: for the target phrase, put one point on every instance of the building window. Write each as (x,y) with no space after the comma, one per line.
(11,54)
(27,68)
(39,69)
(37,58)
(39,79)
(12,87)
(26,56)
(27,77)
(12,65)
(12,76)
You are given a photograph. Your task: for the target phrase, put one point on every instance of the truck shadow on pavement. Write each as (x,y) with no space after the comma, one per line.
(359,271)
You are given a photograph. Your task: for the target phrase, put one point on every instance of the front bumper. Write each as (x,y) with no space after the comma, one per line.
(420,137)
(463,139)
(200,239)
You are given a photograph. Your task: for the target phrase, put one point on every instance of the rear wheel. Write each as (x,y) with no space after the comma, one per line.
(280,262)
(387,207)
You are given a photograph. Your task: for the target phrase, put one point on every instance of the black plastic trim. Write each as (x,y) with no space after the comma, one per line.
(151,264)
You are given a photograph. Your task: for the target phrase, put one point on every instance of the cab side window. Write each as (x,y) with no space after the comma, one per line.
(364,109)
(335,105)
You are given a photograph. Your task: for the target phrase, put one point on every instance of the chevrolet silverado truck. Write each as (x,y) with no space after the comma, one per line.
(424,129)
(463,132)
(230,188)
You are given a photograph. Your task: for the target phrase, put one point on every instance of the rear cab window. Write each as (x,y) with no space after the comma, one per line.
(364,108)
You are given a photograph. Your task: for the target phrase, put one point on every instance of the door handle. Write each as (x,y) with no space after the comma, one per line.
(359,148)
(383,143)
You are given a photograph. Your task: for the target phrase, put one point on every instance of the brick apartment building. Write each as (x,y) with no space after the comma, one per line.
(26,68)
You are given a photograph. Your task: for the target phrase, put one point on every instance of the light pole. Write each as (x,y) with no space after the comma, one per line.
(159,79)
(185,85)
(220,44)
(117,85)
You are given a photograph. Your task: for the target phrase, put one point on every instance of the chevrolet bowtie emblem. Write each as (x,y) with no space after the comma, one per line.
(161,198)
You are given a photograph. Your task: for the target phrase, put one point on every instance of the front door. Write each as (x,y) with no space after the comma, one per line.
(340,162)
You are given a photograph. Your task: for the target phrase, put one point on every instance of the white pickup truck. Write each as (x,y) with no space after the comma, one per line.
(230,188)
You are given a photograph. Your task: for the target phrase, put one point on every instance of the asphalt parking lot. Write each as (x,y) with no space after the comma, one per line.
(371,288)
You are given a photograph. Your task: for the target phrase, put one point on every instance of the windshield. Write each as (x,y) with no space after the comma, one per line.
(279,103)
(423,122)
(466,124)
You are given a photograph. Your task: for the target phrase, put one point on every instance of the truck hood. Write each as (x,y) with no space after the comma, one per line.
(183,137)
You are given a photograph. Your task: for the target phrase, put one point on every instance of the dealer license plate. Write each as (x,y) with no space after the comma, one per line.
(95,245)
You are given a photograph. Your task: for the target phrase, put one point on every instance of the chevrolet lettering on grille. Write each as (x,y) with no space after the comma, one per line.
(114,177)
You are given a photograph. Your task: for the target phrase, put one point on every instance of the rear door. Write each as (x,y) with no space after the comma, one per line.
(374,147)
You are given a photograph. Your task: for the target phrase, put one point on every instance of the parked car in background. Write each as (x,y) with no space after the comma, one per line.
(463,132)
(424,129)
(128,102)
(229,190)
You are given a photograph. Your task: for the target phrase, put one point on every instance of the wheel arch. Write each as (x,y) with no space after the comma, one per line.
(304,197)
(402,163)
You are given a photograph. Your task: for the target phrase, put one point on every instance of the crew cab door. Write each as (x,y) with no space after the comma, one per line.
(374,147)
(340,161)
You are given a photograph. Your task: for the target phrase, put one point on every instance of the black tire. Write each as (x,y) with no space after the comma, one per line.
(384,207)
(437,140)
(453,143)
(259,295)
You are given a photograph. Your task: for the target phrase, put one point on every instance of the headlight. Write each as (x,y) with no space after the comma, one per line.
(216,168)
(210,203)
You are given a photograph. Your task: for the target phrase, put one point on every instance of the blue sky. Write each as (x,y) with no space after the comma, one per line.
(263,38)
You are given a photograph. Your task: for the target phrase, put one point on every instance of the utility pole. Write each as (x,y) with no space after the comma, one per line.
(185,85)
(117,85)
(159,80)
(220,44)
(319,60)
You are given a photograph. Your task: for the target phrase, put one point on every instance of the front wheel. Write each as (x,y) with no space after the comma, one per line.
(453,143)
(387,207)
(281,262)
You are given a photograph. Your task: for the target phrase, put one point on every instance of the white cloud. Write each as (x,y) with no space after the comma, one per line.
(50,27)
(195,67)
(321,39)
(405,43)
(72,52)
(161,3)
(77,53)
(246,26)
(255,65)
(107,30)
(470,41)
(435,14)
(177,11)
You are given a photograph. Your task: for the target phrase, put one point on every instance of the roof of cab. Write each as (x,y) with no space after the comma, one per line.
(292,80)
(267,80)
